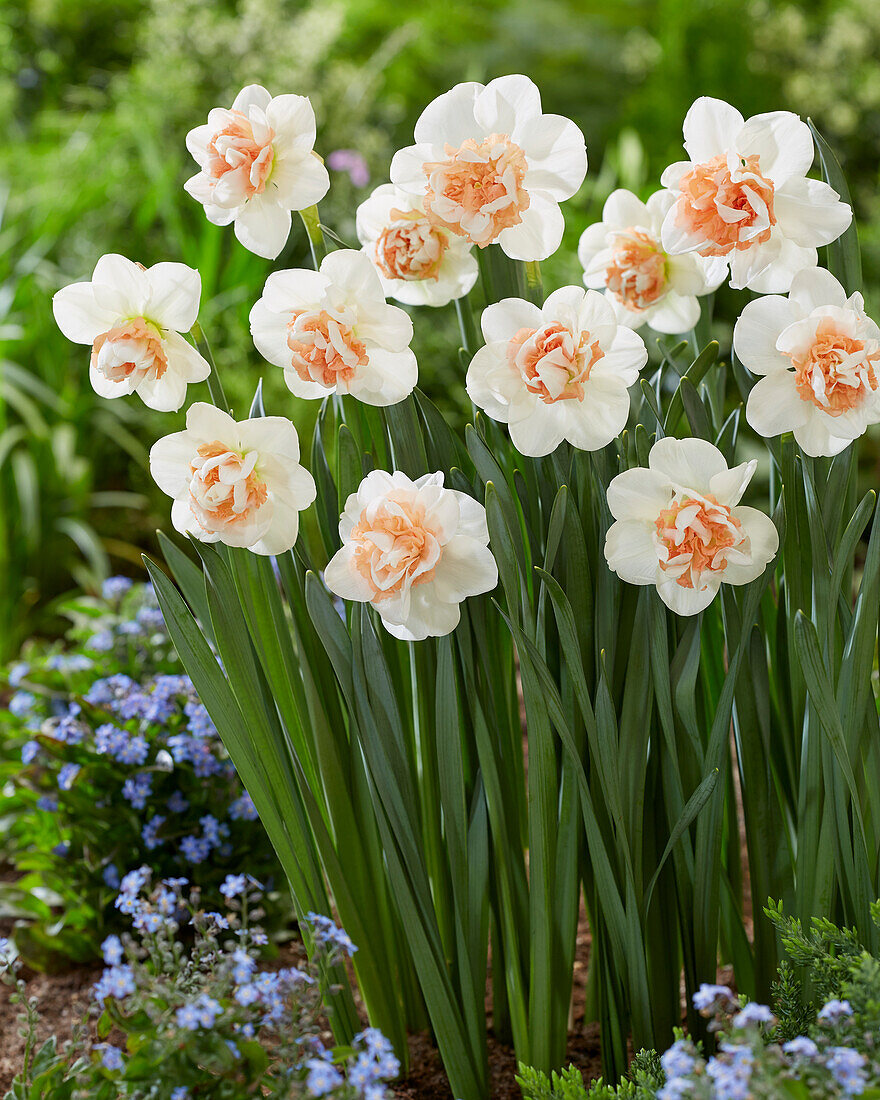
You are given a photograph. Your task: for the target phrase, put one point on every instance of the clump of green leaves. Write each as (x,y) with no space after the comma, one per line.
(644,1078)
(825,963)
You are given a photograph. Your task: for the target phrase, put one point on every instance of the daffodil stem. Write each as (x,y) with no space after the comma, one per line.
(469,339)
(215,386)
(702,330)
(317,245)
(534,282)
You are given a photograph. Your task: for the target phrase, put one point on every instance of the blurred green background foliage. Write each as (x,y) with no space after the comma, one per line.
(97,96)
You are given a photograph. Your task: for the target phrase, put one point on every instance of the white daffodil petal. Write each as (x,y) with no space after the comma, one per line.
(815,437)
(710,127)
(689,601)
(450,117)
(539,233)
(639,494)
(782,141)
(774,405)
(815,287)
(690,462)
(810,213)
(763,546)
(757,330)
(501,320)
(78,314)
(674,314)
(506,103)
(466,568)
(165,394)
(173,301)
(263,227)
(624,210)
(169,462)
(557,155)
(630,551)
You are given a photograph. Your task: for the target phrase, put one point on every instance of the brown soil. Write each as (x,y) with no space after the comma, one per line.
(62,1000)
(427,1081)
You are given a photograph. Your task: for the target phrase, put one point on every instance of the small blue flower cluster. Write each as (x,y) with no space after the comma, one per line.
(190,742)
(374,1065)
(122,748)
(200,999)
(116,982)
(740,1070)
(326,932)
(202,1012)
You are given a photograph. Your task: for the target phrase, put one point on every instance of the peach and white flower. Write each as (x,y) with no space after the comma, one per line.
(489,166)
(133,318)
(557,372)
(418,262)
(744,196)
(818,355)
(413,550)
(236,482)
(623,256)
(679,525)
(257,163)
(333,332)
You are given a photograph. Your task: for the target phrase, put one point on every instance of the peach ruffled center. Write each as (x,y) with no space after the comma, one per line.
(131,351)
(323,346)
(553,362)
(394,547)
(477,192)
(243,148)
(727,203)
(224,490)
(410,248)
(636,275)
(694,535)
(836,372)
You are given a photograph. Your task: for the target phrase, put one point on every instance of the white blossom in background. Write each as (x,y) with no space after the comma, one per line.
(744,196)
(413,550)
(679,525)
(557,372)
(418,262)
(333,332)
(623,255)
(257,163)
(236,482)
(818,355)
(489,166)
(133,317)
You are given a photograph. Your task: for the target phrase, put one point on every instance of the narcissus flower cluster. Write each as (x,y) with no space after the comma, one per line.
(490,168)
